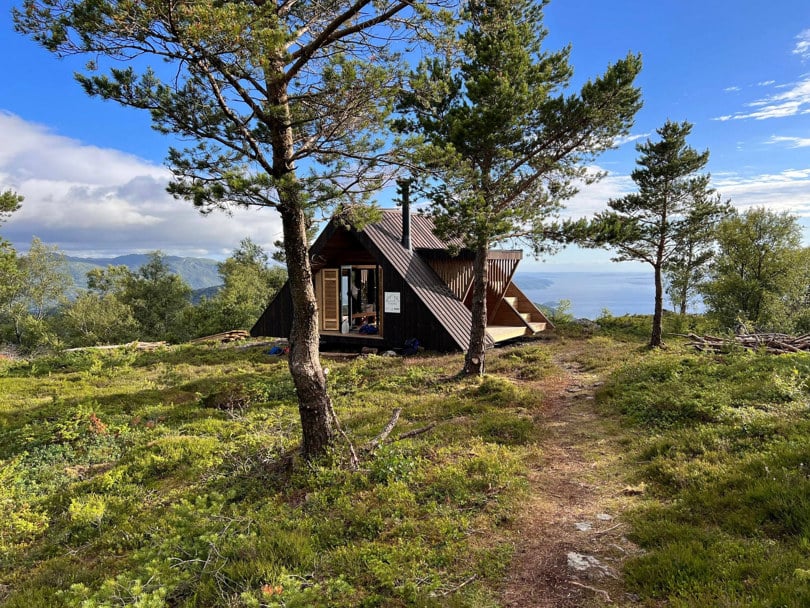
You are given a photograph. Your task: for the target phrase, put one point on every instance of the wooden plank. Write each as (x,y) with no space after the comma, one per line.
(500,333)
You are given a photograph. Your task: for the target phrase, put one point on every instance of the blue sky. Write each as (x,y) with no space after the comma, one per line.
(93,175)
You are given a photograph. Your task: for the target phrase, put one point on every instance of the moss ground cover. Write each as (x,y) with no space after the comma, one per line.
(170,479)
(723,446)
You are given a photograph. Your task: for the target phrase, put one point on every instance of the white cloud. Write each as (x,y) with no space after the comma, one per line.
(802,48)
(620,141)
(788,190)
(96,201)
(594,197)
(793,142)
(766,83)
(792,102)
(732,89)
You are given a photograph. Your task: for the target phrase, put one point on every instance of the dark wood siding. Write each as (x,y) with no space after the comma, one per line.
(276,320)
(448,310)
(427,278)
(415,319)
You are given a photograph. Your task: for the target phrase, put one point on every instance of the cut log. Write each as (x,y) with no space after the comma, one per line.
(225,336)
(770,342)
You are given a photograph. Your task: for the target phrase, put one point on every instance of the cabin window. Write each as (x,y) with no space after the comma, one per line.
(350,300)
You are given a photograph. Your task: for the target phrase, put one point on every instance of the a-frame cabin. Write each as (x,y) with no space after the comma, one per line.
(395,280)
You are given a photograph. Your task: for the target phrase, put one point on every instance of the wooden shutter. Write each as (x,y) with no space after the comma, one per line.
(330,304)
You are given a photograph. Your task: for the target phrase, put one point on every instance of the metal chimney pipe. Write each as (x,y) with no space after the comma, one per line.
(405,191)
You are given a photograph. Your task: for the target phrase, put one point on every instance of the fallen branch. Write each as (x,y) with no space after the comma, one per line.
(375,443)
(456,588)
(354,462)
(414,432)
(601,592)
(606,530)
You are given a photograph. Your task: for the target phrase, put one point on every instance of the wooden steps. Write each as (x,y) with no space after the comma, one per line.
(501,333)
(537,327)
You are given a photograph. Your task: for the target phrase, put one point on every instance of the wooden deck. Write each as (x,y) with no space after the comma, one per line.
(501,333)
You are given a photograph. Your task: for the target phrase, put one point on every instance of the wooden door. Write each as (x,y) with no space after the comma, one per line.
(330,299)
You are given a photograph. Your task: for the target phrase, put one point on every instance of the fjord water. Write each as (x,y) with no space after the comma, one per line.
(592,292)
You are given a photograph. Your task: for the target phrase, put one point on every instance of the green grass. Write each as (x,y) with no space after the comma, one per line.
(724,451)
(171,478)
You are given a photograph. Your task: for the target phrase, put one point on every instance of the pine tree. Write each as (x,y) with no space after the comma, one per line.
(502,142)
(674,202)
(284,103)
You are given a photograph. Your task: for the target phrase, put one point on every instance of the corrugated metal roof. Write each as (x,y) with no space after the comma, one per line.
(386,235)
(422,236)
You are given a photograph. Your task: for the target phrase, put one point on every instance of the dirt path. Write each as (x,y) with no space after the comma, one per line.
(571,534)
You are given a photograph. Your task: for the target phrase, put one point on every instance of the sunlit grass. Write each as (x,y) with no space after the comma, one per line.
(171,478)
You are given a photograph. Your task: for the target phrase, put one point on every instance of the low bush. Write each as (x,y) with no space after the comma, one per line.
(170,479)
(724,452)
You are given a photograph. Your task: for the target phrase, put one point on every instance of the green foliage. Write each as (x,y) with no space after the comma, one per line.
(10,275)
(501,140)
(761,273)
(87,510)
(108,281)
(490,115)
(22,520)
(635,327)
(30,292)
(10,202)
(725,522)
(93,319)
(525,362)
(158,299)
(171,478)
(247,76)
(283,106)
(249,285)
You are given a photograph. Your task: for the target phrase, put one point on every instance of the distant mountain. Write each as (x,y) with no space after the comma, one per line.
(199,273)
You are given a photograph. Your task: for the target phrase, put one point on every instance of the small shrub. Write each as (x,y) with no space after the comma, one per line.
(87,510)
(174,455)
(393,463)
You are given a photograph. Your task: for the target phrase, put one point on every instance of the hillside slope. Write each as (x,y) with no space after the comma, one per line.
(580,472)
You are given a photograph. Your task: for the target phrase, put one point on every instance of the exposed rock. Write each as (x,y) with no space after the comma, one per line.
(589,565)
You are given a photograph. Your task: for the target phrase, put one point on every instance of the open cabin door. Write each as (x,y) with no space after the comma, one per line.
(330,304)
(349,300)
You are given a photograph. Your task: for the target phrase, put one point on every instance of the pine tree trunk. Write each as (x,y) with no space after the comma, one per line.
(684,295)
(474,359)
(314,404)
(305,366)
(658,314)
